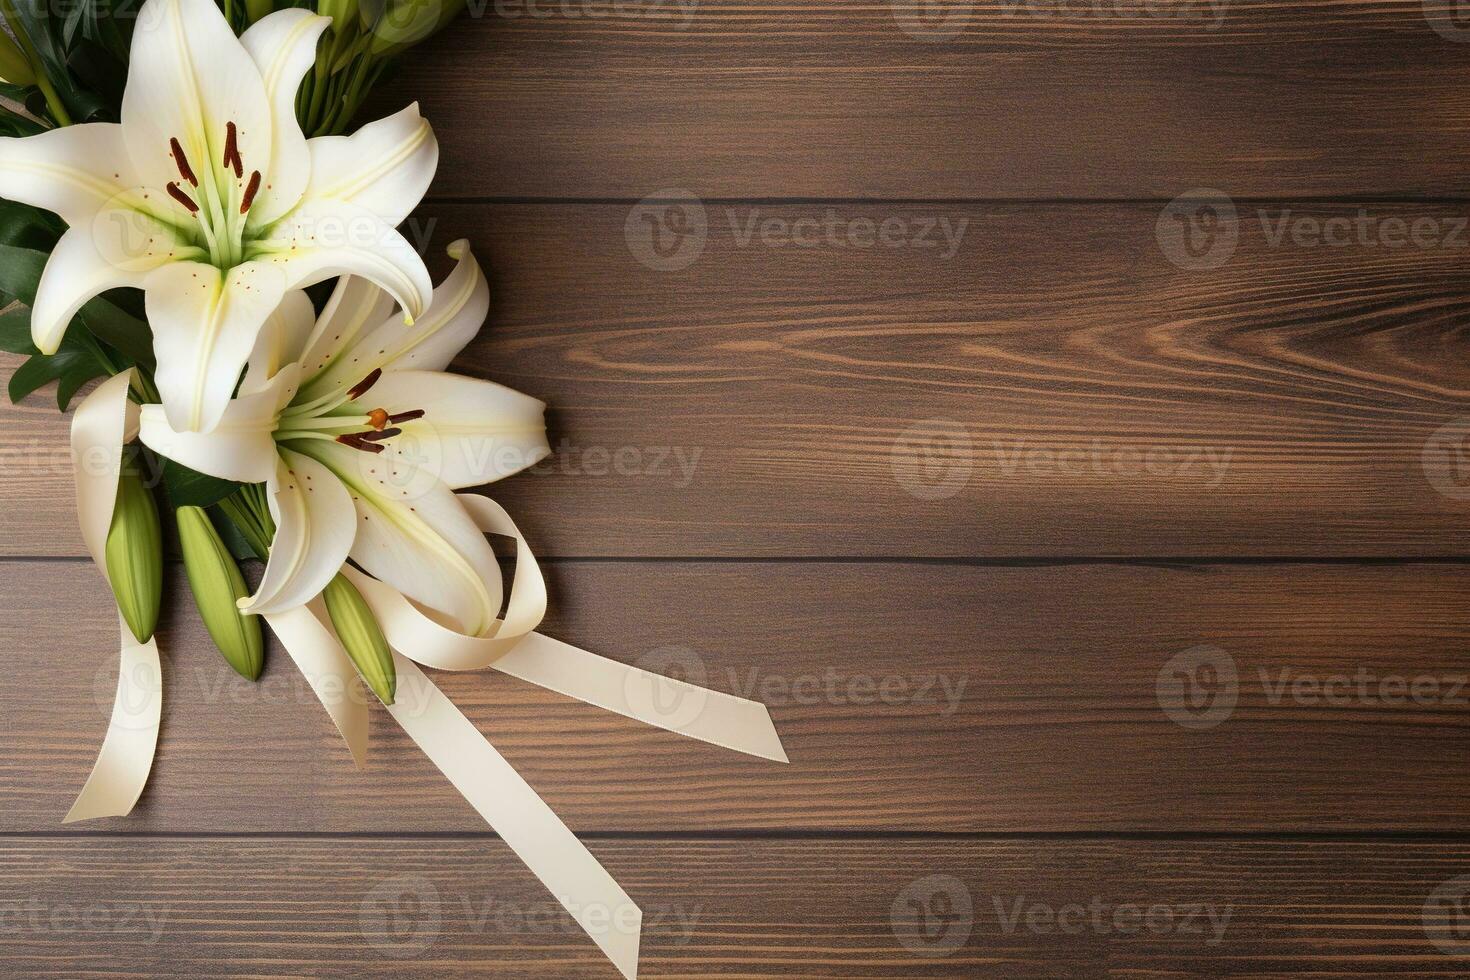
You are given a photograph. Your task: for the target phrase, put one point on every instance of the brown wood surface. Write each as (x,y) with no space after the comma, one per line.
(742,908)
(1073,566)
(1030,98)
(915,697)
(1057,388)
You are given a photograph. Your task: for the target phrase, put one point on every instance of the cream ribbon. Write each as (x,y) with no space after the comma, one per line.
(496,791)
(306,633)
(104,422)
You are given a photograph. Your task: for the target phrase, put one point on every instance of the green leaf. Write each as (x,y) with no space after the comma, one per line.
(70,383)
(190,488)
(76,365)
(15,332)
(230,534)
(29,227)
(121,331)
(20,272)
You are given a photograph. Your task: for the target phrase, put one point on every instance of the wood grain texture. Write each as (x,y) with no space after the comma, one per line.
(1056,387)
(435,908)
(1031,98)
(909,697)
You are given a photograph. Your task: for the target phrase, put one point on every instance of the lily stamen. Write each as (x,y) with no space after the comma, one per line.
(232,151)
(408,416)
(358,442)
(383,436)
(363,386)
(250,191)
(177,193)
(182,162)
(379,418)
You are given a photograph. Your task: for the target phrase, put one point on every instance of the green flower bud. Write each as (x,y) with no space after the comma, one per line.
(217,584)
(405,23)
(134,556)
(362,637)
(14,68)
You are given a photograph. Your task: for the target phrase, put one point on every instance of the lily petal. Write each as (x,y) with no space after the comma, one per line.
(74,274)
(315,525)
(385,167)
(421,542)
(455,314)
(188,79)
(472,432)
(322,240)
(283,46)
(281,340)
(76,171)
(355,305)
(240,448)
(205,323)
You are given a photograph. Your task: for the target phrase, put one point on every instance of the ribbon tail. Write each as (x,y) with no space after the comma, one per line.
(663,702)
(519,816)
(327,668)
(126,757)
(102,424)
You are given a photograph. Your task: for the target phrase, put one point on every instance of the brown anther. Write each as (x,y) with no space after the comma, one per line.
(232,151)
(379,436)
(185,171)
(416,413)
(177,193)
(250,191)
(378,419)
(361,388)
(356,441)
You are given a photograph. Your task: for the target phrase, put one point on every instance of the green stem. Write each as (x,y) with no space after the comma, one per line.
(247,511)
(43,80)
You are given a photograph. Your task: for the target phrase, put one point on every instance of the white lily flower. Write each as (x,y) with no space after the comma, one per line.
(361,439)
(209,198)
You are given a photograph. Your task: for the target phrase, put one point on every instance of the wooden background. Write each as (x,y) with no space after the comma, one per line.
(1090,579)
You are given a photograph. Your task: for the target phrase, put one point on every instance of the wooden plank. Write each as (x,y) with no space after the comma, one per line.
(151,907)
(913,697)
(1058,387)
(1028,99)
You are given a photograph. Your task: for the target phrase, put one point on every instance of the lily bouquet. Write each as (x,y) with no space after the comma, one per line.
(184,219)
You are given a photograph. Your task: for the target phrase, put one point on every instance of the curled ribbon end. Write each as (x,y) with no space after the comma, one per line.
(81,810)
